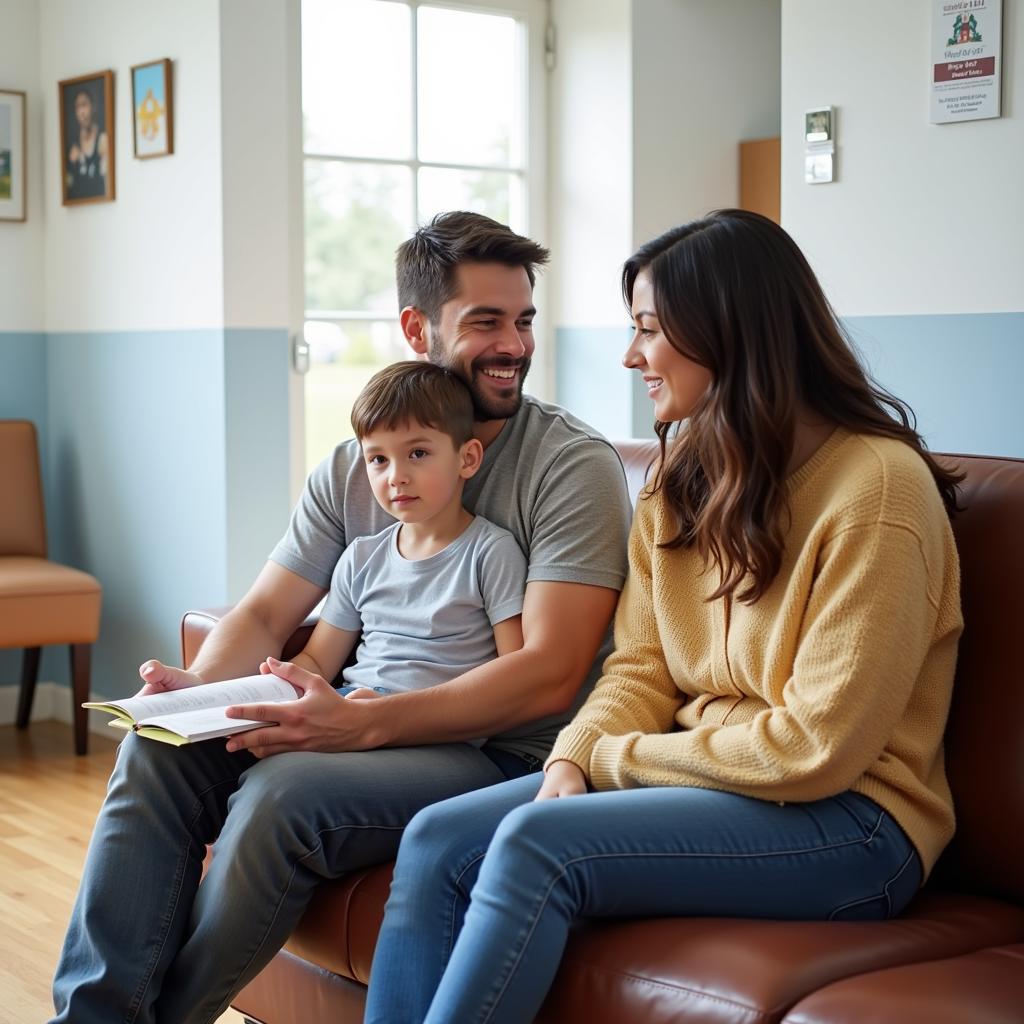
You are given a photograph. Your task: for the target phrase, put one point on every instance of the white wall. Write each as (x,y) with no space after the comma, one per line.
(261,129)
(705,77)
(649,103)
(21,243)
(590,164)
(152,258)
(923,218)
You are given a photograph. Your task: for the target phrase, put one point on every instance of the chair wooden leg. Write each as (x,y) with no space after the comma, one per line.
(80,661)
(29,675)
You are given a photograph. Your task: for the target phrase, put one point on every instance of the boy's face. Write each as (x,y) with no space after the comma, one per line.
(417,472)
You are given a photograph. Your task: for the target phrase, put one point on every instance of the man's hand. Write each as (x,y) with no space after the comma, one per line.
(563,778)
(158,678)
(319,720)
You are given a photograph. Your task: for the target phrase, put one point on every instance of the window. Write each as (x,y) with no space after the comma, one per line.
(409,109)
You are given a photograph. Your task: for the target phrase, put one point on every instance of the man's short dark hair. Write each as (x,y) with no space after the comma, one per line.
(415,392)
(425,265)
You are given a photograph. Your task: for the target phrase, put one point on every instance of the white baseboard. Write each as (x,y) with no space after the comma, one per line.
(53,701)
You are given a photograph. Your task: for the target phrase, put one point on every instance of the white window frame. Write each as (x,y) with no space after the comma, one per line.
(533,16)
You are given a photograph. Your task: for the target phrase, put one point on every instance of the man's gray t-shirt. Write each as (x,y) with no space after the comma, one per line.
(426,621)
(554,483)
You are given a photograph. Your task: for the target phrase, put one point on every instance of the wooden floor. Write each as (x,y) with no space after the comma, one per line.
(48,802)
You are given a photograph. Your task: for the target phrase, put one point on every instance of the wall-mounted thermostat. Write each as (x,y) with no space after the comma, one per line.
(819,140)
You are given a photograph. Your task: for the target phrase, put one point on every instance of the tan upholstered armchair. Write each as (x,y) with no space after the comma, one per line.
(41,602)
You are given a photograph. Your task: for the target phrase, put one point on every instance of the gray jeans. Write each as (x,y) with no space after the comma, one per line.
(146,941)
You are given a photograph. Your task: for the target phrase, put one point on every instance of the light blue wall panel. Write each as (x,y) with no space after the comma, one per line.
(643,407)
(592,383)
(963,375)
(23,377)
(137,495)
(258,503)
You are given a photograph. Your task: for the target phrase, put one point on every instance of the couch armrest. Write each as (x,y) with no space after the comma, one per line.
(196,626)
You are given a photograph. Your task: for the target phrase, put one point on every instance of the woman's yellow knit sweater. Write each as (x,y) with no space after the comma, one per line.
(839,677)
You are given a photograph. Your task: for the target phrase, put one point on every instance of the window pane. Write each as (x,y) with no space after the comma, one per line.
(356,78)
(470,84)
(343,357)
(490,192)
(356,216)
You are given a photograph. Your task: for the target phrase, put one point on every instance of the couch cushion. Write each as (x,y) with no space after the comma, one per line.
(986,987)
(751,972)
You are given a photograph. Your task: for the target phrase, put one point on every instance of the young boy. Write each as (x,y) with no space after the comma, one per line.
(440,591)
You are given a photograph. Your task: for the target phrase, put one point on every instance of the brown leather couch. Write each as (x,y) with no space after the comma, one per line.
(957,955)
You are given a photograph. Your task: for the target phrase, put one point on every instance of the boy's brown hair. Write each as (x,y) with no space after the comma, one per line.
(415,392)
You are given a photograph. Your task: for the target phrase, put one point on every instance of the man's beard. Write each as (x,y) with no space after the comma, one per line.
(485,407)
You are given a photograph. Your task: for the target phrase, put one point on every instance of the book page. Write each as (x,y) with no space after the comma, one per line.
(200,723)
(157,732)
(245,690)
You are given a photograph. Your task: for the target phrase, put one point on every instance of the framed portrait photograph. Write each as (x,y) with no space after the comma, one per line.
(87,138)
(12,155)
(152,110)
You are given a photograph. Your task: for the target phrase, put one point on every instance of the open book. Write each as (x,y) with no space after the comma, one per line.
(197,712)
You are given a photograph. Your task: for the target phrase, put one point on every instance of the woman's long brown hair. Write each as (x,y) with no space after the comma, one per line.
(734,293)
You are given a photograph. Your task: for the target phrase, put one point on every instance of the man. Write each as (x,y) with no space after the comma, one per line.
(331,786)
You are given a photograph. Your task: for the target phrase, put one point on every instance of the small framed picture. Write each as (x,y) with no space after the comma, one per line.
(12,155)
(818,125)
(153,112)
(87,138)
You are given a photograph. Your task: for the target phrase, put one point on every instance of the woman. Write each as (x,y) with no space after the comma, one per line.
(87,156)
(766,740)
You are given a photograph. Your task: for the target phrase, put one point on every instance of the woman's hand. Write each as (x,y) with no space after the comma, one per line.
(563,778)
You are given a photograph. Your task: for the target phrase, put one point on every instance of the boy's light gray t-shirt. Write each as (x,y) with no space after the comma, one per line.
(427,621)
(554,483)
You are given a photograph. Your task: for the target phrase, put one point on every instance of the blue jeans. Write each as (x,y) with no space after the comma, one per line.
(147,942)
(488,884)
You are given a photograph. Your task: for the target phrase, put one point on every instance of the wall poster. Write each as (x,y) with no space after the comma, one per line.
(966,64)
